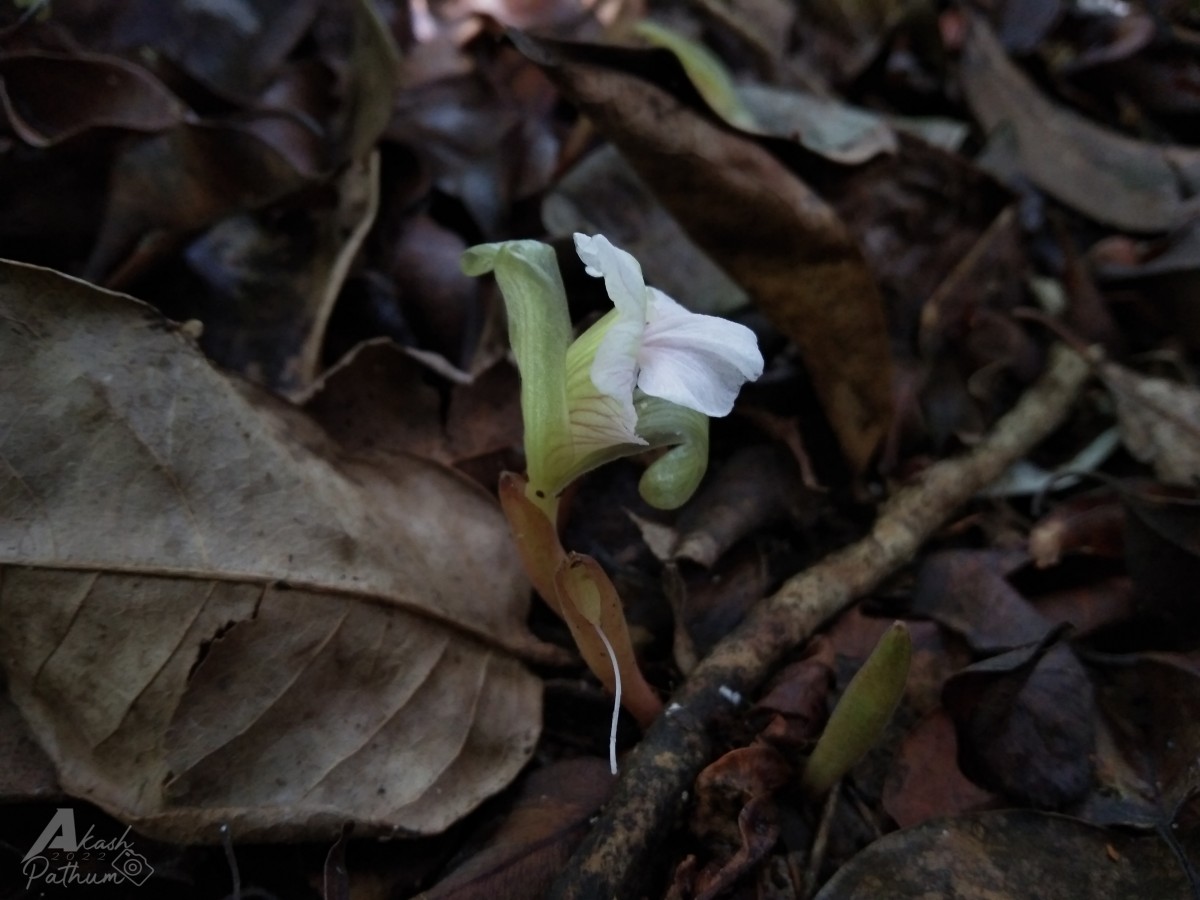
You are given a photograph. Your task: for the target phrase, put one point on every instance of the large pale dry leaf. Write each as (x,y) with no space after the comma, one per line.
(766,228)
(206,616)
(1114,179)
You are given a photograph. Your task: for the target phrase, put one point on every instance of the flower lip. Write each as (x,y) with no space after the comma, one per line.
(696,361)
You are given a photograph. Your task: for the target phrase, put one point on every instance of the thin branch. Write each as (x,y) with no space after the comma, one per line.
(658,774)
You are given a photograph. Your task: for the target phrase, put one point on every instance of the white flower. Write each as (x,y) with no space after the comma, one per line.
(696,361)
(646,375)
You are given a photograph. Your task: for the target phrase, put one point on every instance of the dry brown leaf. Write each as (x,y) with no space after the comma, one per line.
(207,616)
(773,235)
(1159,422)
(1112,178)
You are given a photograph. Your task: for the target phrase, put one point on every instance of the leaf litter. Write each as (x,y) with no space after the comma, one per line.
(277,596)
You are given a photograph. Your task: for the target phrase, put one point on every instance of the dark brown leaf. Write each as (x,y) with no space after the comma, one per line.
(967,591)
(1089,524)
(1026,724)
(548,819)
(797,699)
(270,282)
(181,181)
(1148,762)
(1162,552)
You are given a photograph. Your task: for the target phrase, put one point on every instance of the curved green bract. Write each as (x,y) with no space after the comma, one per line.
(539,330)
(671,479)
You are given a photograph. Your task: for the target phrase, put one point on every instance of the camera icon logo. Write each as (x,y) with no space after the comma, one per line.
(132,866)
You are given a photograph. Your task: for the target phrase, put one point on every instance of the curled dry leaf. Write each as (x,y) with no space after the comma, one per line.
(185,179)
(207,616)
(1086,523)
(765,227)
(51,97)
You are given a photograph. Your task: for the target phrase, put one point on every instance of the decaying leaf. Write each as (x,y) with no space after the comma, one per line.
(208,616)
(1159,422)
(1025,721)
(769,231)
(1011,853)
(1114,179)
(924,781)
(270,286)
(26,773)
(967,591)
(1162,554)
(1148,763)
(525,854)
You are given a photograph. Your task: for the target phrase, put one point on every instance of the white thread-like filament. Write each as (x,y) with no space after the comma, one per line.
(612,734)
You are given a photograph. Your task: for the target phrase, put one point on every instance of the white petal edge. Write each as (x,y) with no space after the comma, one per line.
(697,361)
(621,273)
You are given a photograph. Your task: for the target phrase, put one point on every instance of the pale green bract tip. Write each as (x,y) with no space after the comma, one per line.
(673,478)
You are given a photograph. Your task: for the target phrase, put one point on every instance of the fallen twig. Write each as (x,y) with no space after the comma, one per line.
(657,775)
